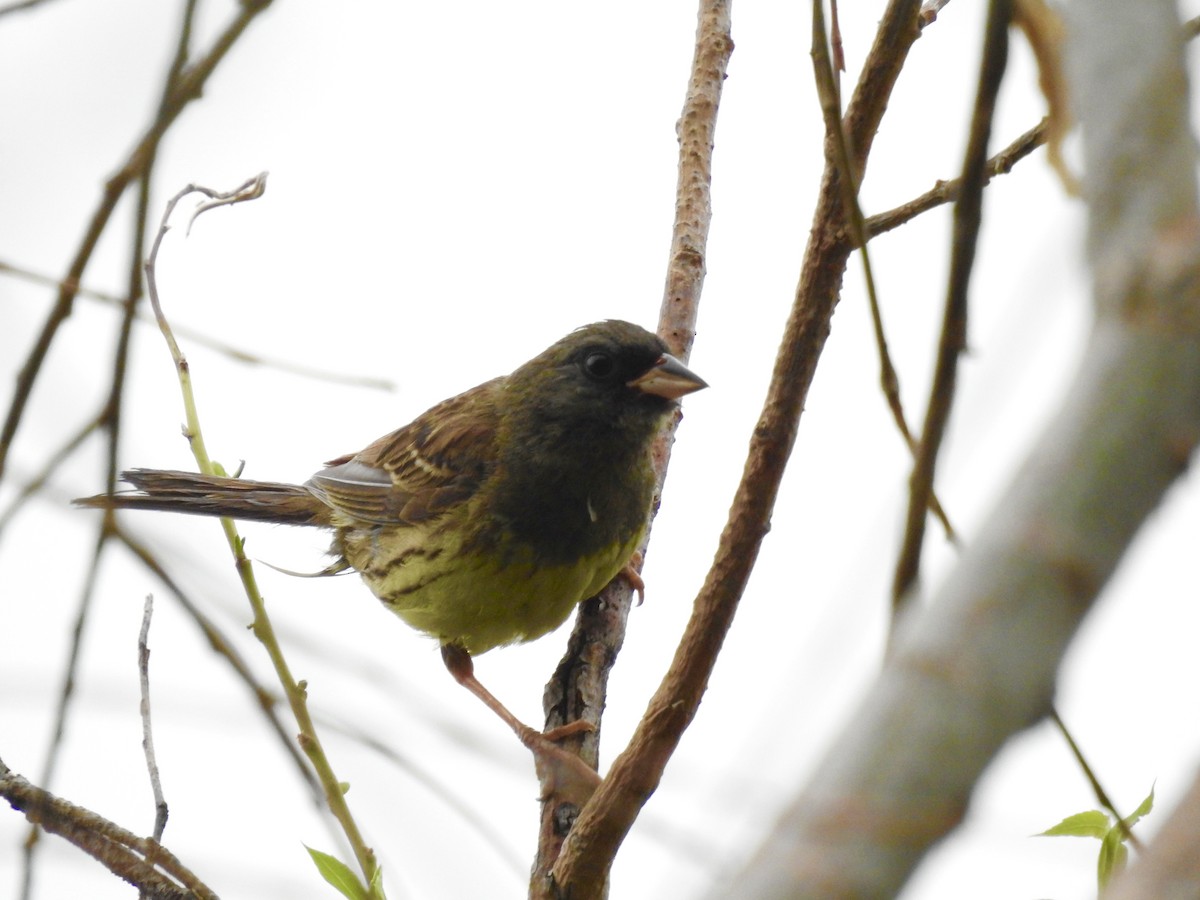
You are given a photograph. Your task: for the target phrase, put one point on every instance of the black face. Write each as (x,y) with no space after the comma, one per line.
(614,359)
(584,379)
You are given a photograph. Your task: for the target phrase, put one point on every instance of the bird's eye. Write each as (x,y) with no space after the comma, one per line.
(599,364)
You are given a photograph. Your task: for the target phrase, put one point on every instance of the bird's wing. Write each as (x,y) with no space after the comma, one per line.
(418,472)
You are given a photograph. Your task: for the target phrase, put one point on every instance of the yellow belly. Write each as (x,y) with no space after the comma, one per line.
(477,599)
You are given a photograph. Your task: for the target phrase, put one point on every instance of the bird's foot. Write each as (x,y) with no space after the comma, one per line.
(633,576)
(571,729)
(560,773)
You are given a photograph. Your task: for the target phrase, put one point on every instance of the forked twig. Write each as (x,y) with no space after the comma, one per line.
(967,216)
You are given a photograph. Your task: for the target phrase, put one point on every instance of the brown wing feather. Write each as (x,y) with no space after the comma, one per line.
(419,471)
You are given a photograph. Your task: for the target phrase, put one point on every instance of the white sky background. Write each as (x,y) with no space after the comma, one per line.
(452,188)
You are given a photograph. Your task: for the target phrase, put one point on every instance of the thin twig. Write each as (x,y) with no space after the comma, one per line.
(829,94)
(160,802)
(1090,774)
(1000,164)
(452,800)
(296,692)
(225,648)
(967,215)
(65,693)
(35,484)
(21,6)
(197,338)
(947,191)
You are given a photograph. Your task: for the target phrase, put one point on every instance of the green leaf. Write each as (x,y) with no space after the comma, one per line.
(1143,809)
(1113,856)
(340,875)
(1093,824)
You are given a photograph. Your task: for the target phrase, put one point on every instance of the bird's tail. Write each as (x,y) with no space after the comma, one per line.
(213,495)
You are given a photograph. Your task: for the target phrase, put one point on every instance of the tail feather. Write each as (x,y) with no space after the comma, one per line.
(213,495)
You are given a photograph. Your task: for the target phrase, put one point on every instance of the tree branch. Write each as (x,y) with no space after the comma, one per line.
(142,862)
(980,663)
(578,687)
(588,851)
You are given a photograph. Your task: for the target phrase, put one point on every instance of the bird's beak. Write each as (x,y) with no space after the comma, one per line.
(668,378)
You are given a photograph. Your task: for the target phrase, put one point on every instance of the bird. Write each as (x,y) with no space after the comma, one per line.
(487,519)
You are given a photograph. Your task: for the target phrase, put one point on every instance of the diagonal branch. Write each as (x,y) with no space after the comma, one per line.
(980,663)
(142,862)
(602,825)
(188,88)
(947,191)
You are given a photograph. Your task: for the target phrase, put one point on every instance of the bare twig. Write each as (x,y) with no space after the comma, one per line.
(225,648)
(947,191)
(1000,164)
(31,487)
(967,216)
(835,40)
(160,802)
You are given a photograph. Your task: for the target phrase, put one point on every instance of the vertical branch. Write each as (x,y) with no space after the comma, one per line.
(587,853)
(577,689)
(968,213)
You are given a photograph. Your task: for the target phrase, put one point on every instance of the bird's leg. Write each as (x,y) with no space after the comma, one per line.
(558,771)
(459,663)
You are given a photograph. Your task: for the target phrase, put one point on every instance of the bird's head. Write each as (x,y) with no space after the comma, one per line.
(612,373)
